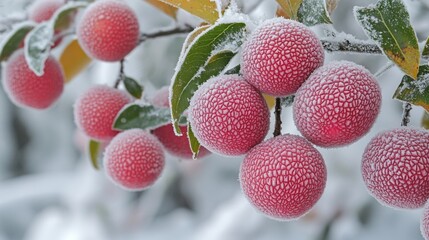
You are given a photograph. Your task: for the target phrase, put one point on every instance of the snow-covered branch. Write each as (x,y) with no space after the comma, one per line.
(349,46)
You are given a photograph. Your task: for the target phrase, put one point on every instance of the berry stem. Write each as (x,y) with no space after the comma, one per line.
(278,123)
(121,75)
(176,30)
(406,114)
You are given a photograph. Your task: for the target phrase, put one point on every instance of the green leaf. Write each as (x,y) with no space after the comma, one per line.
(63,17)
(413,91)
(290,7)
(132,86)
(94,150)
(13,39)
(234,70)
(37,46)
(206,57)
(193,142)
(425,53)
(425,120)
(313,12)
(287,101)
(388,24)
(143,117)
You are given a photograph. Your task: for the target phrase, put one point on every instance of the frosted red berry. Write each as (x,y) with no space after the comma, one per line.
(283,177)
(108,30)
(96,110)
(395,167)
(43,10)
(337,105)
(280,55)
(228,115)
(134,159)
(26,89)
(175,145)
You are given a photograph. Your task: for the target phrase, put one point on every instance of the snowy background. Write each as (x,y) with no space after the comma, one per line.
(48,189)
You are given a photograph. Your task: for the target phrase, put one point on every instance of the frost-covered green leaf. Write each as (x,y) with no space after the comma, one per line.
(62,18)
(425,53)
(194,144)
(141,116)
(234,70)
(416,91)
(11,41)
(287,101)
(207,56)
(388,24)
(133,87)
(94,150)
(313,12)
(37,46)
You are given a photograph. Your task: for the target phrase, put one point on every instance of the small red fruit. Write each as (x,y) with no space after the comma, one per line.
(283,177)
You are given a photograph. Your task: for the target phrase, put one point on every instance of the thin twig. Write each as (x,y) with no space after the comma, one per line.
(177,30)
(384,69)
(349,46)
(121,75)
(278,123)
(406,114)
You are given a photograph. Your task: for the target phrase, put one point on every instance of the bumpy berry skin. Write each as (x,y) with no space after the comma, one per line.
(280,55)
(42,10)
(424,222)
(26,89)
(228,115)
(176,145)
(134,159)
(395,167)
(283,177)
(96,110)
(337,105)
(108,30)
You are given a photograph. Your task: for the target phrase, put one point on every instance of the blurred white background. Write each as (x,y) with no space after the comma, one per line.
(49,190)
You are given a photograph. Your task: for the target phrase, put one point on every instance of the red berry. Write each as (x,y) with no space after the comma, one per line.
(108,30)
(134,159)
(95,111)
(283,177)
(395,167)
(26,89)
(175,145)
(337,105)
(42,10)
(280,55)
(228,115)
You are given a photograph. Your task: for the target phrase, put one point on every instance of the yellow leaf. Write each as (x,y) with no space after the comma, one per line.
(166,8)
(290,7)
(204,9)
(425,120)
(271,101)
(331,5)
(281,13)
(73,60)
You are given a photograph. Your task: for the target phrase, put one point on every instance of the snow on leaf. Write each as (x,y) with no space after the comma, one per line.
(206,57)
(193,142)
(133,87)
(13,39)
(234,70)
(37,45)
(94,150)
(141,116)
(388,24)
(62,17)
(164,7)
(204,9)
(290,8)
(415,91)
(313,12)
